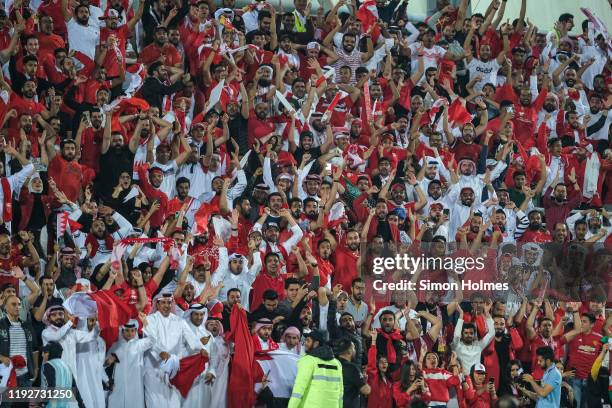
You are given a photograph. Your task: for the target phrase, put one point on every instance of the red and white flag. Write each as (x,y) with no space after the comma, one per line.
(368,15)
(280,367)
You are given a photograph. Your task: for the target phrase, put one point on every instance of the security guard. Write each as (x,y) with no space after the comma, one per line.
(319,377)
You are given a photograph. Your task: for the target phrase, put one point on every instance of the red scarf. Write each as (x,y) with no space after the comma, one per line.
(95,245)
(272,345)
(395,335)
(7,208)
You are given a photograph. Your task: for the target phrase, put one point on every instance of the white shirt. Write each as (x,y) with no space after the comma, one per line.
(83,38)
(487,70)
(431,57)
(470,354)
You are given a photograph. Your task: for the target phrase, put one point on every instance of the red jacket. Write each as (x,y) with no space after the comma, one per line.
(491,360)
(476,400)
(381,394)
(439,381)
(402,398)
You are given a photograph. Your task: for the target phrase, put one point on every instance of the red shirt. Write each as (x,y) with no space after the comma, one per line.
(582,352)
(130,295)
(263,282)
(48,43)
(463,150)
(338,115)
(112,61)
(53,8)
(258,128)
(15,136)
(22,105)
(91,144)
(153,52)
(6,276)
(68,176)
(345,266)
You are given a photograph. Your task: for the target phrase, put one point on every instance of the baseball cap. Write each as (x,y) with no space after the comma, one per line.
(110,13)
(478,367)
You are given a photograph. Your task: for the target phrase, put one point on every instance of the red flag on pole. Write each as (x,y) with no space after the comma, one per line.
(241,374)
(112,313)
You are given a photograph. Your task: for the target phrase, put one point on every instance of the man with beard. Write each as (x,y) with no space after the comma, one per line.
(464,147)
(542,336)
(535,231)
(83,36)
(161,48)
(113,40)
(355,305)
(25,100)
(345,260)
(398,196)
(593,220)
(549,389)
(81,109)
(235,274)
(557,203)
(307,146)
(258,122)
(89,139)
(169,333)
(486,67)
(389,342)
(200,393)
(599,123)
(460,212)
(115,158)
(154,87)
(150,183)
(465,342)
(67,269)
(346,330)
(319,375)
(549,113)
(526,114)
(64,169)
(26,131)
(60,329)
(262,336)
(271,242)
(349,54)
(498,354)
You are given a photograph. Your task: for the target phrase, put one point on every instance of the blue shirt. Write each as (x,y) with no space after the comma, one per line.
(552,377)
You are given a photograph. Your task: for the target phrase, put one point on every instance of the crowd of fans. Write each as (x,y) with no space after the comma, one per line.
(193,197)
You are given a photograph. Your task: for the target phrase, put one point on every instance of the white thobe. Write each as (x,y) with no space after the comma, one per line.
(68,338)
(220,363)
(200,393)
(168,335)
(15,182)
(91,374)
(129,373)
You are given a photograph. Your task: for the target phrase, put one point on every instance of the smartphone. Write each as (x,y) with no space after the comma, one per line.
(446,212)
(491,380)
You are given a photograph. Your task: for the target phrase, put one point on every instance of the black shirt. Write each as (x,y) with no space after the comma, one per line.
(352,381)
(114,162)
